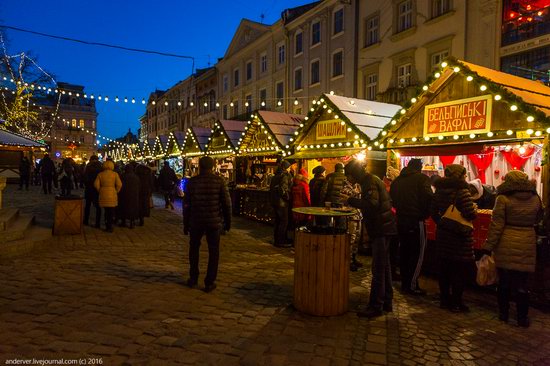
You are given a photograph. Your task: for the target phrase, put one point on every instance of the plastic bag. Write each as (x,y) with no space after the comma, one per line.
(486,271)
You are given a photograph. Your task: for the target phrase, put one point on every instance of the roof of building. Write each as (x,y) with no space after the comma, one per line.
(8,138)
(282,125)
(290,14)
(233,129)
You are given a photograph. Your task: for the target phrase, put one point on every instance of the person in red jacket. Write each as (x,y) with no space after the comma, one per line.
(300,197)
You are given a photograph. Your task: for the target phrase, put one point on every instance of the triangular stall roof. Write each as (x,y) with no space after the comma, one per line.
(511,109)
(269,133)
(13,141)
(160,146)
(338,126)
(173,146)
(225,137)
(195,140)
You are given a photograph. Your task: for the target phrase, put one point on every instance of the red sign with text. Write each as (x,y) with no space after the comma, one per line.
(459,117)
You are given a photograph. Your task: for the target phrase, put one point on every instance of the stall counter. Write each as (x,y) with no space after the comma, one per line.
(254,203)
(481,228)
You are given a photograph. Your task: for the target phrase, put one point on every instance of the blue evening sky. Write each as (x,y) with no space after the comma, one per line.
(195,28)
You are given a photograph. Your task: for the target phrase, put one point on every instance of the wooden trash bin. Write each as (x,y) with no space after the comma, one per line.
(68,215)
(321,273)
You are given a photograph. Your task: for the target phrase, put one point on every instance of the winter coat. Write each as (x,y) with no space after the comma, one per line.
(108,184)
(411,194)
(454,240)
(47,167)
(207,204)
(279,189)
(375,205)
(300,197)
(24,167)
(167,179)
(146,185)
(93,168)
(512,236)
(315,186)
(330,192)
(129,195)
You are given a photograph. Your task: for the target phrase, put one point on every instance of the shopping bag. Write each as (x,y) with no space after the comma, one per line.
(486,271)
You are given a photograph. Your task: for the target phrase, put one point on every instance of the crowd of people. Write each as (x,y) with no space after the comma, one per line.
(394,212)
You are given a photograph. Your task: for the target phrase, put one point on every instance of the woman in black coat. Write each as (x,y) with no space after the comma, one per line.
(454,240)
(146,184)
(129,196)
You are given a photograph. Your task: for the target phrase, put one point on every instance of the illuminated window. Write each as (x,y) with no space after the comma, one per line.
(81,123)
(73,123)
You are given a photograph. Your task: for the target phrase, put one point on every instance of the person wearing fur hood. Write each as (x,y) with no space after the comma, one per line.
(512,239)
(454,240)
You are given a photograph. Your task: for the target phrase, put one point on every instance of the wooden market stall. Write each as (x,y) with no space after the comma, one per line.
(488,121)
(173,152)
(222,146)
(267,135)
(338,128)
(12,148)
(193,147)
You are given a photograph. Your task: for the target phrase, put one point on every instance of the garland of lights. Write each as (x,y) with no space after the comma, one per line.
(262,125)
(231,150)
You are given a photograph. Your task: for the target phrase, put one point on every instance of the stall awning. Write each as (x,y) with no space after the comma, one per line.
(316,154)
(11,139)
(445,150)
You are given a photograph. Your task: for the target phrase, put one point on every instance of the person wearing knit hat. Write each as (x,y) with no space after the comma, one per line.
(300,197)
(454,239)
(513,241)
(279,195)
(315,186)
(375,205)
(411,195)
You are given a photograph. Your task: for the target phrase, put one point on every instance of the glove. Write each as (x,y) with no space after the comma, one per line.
(185,230)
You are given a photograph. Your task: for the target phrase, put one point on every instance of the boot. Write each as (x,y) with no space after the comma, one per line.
(141,221)
(503,304)
(522,304)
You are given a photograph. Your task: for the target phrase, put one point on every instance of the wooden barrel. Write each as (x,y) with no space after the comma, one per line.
(68,215)
(321,273)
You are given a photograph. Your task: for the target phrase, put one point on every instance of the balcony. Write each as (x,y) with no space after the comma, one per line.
(397,95)
(525,32)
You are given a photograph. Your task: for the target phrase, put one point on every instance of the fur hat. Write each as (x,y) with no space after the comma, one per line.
(318,169)
(455,171)
(515,175)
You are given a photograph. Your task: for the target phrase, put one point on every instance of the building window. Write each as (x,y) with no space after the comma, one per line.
(315,73)
(404,15)
(371,87)
(279,90)
(298,43)
(438,58)
(93,124)
(225,83)
(524,20)
(81,123)
(338,18)
(263,98)
(263,63)
(315,33)
(298,79)
(440,7)
(404,75)
(533,64)
(248,103)
(73,123)
(236,77)
(281,54)
(249,70)
(373,30)
(337,64)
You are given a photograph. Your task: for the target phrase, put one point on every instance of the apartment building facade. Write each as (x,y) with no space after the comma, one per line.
(206,86)
(401,42)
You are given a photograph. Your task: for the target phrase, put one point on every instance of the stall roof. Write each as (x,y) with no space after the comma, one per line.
(368,116)
(282,125)
(233,129)
(201,134)
(13,139)
(532,92)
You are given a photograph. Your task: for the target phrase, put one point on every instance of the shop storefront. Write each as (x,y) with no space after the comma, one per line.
(267,135)
(193,147)
(222,147)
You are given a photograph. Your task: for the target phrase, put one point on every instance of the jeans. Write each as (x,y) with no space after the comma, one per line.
(381,292)
(87,208)
(452,277)
(412,241)
(510,283)
(109,217)
(281,225)
(213,241)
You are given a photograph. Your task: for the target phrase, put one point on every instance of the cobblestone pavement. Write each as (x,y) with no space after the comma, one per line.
(121,297)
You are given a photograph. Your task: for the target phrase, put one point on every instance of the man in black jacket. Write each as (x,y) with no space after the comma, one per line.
(375,204)
(91,195)
(47,171)
(279,193)
(206,209)
(411,194)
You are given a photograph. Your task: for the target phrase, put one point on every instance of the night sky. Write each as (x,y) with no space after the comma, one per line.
(195,28)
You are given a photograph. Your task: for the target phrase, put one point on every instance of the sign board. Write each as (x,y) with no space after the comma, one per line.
(459,117)
(218,141)
(329,130)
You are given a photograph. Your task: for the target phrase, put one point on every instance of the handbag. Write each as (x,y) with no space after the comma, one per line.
(452,213)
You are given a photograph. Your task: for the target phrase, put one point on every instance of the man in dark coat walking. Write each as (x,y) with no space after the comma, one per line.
(47,172)
(167,182)
(91,195)
(375,204)
(24,173)
(146,184)
(411,195)
(279,193)
(129,197)
(206,210)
